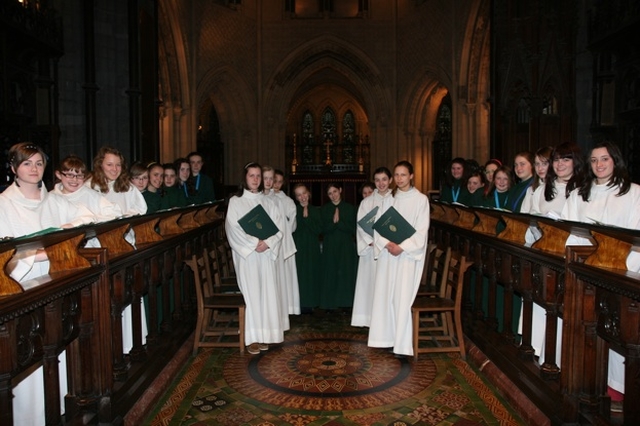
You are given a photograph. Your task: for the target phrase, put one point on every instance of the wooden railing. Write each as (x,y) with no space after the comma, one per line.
(78,308)
(585,288)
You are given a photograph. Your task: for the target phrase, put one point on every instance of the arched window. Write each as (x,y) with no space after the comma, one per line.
(329,125)
(444,122)
(442,146)
(348,128)
(307,128)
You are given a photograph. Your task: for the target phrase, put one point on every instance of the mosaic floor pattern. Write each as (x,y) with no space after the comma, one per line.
(324,374)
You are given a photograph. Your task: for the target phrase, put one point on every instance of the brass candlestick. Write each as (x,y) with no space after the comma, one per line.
(327,161)
(294,162)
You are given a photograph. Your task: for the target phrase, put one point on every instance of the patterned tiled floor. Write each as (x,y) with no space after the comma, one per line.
(324,374)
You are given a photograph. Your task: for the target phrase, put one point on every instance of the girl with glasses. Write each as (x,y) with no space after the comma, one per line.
(71,173)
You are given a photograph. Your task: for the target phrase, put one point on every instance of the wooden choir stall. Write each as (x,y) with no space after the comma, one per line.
(78,308)
(590,305)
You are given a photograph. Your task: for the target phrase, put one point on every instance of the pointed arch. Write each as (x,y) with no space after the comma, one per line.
(229,94)
(326,60)
(420,108)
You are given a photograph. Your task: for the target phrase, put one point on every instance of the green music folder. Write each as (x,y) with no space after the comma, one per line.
(392,226)
(257,223)
(39,233)
(366,223)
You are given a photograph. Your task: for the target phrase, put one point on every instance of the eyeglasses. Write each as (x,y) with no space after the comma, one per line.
(73,176)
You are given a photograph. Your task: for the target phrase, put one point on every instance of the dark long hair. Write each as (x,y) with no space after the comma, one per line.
(544,152)
(565,150)
(382,169)
(170,166)
(620,175)
(448,178)
(190,182)
(22,152)
(243,182)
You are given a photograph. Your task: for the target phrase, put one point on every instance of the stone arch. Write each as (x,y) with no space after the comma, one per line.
(419,107)
(347,67)
(229,95)
(468,86)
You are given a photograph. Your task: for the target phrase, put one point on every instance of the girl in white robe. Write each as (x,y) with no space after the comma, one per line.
(287,247)
(607,197)
(71,173)
(399,268)
(255,263)
(110,178)
(26,207)
(289,213)
(365,280)
(549,199)
(541,166)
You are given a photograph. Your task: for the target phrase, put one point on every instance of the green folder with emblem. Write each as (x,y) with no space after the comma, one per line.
(257,223)
(366,223)
(392,226)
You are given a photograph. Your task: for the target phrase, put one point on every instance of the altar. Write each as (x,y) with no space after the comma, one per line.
(319,164)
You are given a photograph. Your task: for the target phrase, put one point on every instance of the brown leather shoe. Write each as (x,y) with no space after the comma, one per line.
(253,349)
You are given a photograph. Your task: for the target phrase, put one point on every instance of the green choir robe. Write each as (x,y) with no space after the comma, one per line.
(153,200)
(308,256)
(173,197)
(204,191)
(517,193)
(339,256)
(454,194)
(472,200)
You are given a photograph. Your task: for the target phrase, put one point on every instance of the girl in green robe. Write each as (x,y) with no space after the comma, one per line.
(173,196)
(307,239)
(525,176)
(339,256)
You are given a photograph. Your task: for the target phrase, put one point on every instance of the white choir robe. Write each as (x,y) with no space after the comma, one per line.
(538,205)
(281,276)
(21,216)
(606,208)
(256,272)
(131,203)
(363,296)
(288,267)
(398,277)
(102,209)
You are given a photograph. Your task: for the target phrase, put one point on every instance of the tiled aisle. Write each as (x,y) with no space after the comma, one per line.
(324,374)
